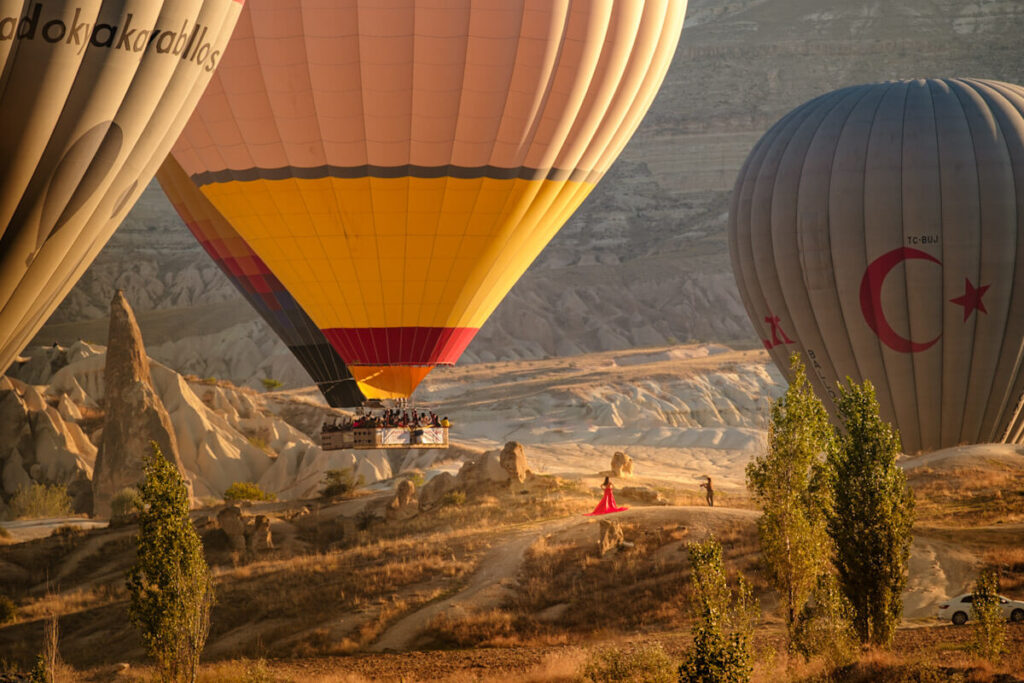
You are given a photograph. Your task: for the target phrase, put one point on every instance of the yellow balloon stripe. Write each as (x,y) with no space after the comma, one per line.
(389,381)
(398,252)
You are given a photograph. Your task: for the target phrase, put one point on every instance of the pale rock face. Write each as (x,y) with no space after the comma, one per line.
(135,415)
(403,505)
(14,475)
(435,489)
(513,461)
(483,471)
(260,537)
(611,536)
(643,494)
(622,465)
(37,444)
(232,523)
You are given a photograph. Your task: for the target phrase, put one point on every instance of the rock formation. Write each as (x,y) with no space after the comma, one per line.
(259,536)
(135,415)
(245,534)
(643,494)
(513,460)
(435,489)
(42,443)
(611,537)
(622,465)
(488,472)
(482,472)
(232,523)
(403,505)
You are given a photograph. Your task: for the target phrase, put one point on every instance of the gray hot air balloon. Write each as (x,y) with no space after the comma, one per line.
(93,94)
(879,231)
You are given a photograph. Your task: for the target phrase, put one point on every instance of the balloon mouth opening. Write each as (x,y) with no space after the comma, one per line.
(389,381)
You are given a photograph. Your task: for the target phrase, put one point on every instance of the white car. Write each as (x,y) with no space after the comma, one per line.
(958,610)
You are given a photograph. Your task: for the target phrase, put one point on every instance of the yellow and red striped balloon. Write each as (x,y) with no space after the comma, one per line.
(398,164)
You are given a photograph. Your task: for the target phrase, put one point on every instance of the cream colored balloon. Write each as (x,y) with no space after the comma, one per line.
(93,94)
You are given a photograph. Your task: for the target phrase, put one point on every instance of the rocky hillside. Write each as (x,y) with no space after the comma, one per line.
(645,261)
(52,419)
(680,412)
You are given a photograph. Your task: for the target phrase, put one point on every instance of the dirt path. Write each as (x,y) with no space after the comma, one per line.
(938,570)
(485,589)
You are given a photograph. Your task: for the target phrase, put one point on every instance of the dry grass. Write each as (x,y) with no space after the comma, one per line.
(968,496)
(567,592)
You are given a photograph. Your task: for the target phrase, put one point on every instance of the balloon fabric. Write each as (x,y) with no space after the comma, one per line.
(398,166)
(878,231)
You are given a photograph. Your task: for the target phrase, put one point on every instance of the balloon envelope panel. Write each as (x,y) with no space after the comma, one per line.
(398,165)
(262,290)
(93,95)
(878,230)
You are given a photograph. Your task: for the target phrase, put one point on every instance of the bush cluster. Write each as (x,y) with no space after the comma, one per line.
(246,490)
(648,663)
(40,500)
(339,483)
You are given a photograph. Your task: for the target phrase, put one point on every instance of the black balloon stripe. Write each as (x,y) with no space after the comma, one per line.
(408,171)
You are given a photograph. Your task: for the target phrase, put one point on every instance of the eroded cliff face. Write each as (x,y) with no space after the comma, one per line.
(645,261)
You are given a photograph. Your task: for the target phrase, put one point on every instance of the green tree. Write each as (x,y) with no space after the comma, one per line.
(170,585)
(791,484)
(270,384)
(872,515)
(721,651)
(989,623)
(246,490)
(339,483)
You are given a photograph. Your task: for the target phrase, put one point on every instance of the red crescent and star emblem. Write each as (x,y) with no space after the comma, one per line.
(871,298)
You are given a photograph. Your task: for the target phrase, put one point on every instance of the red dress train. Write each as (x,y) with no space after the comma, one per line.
(607,505)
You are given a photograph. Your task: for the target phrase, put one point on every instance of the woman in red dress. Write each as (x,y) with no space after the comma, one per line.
(607,504)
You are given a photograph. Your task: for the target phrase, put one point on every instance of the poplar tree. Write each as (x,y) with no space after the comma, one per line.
(989,623)
(790,482)
(872,515)
(170,585)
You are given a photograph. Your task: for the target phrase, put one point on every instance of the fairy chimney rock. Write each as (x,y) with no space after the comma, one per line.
(135,415)
(622,465)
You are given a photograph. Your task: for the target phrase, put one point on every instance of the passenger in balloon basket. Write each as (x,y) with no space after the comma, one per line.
(607,504)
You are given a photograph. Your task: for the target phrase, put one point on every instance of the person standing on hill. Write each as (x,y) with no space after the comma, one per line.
(711,492)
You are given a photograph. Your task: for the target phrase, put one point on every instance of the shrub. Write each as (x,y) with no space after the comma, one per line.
(825,625)
(40,500)
(721,651)
(124,504)
(417,479)
(246,490)
(339,483)
(454,498)
(989,640)
(169,585)
(647,663)
(270,384)
(8,610)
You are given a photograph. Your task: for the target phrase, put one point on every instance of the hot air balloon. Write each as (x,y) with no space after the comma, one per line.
(398,165)
(878,230)
(93,95)
(260,288)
